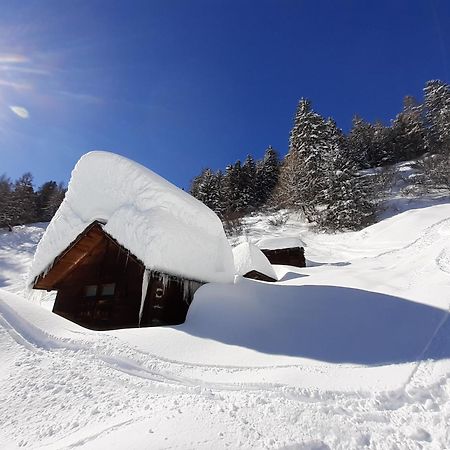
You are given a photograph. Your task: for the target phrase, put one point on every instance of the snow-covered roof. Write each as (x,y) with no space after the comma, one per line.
(275,243)
(248,257)
(163,226)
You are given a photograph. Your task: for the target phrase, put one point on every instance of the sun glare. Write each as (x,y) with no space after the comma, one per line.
(13,81)
(20,111)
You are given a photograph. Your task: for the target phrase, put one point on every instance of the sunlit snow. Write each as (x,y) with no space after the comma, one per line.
(350,352)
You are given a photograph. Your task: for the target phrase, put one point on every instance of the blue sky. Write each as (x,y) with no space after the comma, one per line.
(178,85)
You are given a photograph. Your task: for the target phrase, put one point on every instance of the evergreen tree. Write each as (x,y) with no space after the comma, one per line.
(55,199)
(267,173)
(436,165)
(6,206)
(232,188)
(248,183)
(346,201)
(48,198)
(24,200)
(437,113)
(360,143)
(408,135)
(305,160)
(382,152)
(206,188)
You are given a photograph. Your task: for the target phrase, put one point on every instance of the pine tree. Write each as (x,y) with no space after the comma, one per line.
(437,113)
(267,173)
(248,183)
(6,206)
(48,198)
(305,160)
(346,201)
(408,135)
(382,152)
(24,200)
(360,143)
(232,188)
(206,188)
(436,165)
(55,199)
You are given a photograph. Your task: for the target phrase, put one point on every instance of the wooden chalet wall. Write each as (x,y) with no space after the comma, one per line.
(99,286)
(294,256)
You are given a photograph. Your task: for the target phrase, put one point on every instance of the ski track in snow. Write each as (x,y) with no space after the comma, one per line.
(93,390)
(443,260)
(101,396)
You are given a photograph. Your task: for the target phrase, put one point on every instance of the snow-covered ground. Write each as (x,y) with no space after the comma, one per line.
(351,352)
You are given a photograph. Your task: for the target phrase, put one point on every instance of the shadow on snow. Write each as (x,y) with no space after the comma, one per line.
(326,323)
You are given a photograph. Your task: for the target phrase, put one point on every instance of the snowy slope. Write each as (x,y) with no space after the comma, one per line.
(350,352)
(16,253)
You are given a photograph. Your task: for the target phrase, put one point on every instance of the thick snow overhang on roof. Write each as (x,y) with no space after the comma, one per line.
(163,226)
(248,258)
(276,243)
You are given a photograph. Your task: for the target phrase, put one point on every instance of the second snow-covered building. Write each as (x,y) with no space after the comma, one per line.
(127,248)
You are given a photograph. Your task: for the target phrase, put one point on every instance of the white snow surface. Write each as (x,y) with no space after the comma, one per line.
(274,243)
(351,352)
(248,257)
(163,226)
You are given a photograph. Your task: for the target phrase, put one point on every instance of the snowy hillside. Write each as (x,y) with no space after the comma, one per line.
(16,253)
(351,352)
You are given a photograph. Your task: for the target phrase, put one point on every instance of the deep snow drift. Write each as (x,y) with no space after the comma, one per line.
(351,352)
(248,257)
(166,228)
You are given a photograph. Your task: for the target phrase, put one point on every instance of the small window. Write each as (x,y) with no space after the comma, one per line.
(91,291)
(108,289)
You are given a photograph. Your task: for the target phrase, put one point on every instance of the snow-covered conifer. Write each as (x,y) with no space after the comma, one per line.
(437,113)
(305,159)
(48,198)
(248,183)
(360,142)
(24,200)
(206,188)
(436,164)
(408,134)
(267,172)
(345,203)
(6,206)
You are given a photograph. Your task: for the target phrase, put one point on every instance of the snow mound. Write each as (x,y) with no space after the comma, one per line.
(274,243)
(166,228)
(248,257)
(332,324)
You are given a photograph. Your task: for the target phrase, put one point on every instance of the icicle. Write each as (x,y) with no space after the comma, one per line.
(145,280)
(164,278)
(189,288)
(186,290)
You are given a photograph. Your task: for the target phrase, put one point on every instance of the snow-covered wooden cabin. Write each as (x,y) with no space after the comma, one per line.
(127,248)
(286,251)
(250,262)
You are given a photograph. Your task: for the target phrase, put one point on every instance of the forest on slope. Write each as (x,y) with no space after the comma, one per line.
(21,204)
(326,174)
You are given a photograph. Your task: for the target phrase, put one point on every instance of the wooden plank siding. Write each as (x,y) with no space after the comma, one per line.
(74,255)
(294,256)
(99,285)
